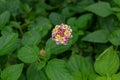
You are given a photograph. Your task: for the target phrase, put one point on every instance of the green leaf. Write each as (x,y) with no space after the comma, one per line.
(118,15)
(83,64)
(10,5)
(7,43)
(79,63)
(56,18)
(31,38)
(102,9)
(116,76)
(26,7)
(55,2)
(33,73)
(22,77)
(12,72)
(93,76)
(15,24)
(4,18)
(44,5)
(79,7)
(41,25)
(2,6)
(57,49)
(77,76)
(84,21)
(102,78)
(99,36)
(41,65)
(114,37)
(7,30)
(71,21)
(28,54)
(116,9)
(117,2)
(107,63)
(66,12)
(37,31)
(74,25)
(57,70)
(13,6)
(107,23)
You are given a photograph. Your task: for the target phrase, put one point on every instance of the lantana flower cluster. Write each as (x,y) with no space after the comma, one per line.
(61,34)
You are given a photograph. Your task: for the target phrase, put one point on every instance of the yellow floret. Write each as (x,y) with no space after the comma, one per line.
(57,26)
(65,27)
(55,30)
(57,37)
(62,40)
(70,30)
(67,33)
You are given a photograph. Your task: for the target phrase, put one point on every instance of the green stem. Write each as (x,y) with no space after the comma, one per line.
(21,31)
(39,60)
(108,78)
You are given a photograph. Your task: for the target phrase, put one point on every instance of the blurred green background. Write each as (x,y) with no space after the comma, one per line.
(27,51)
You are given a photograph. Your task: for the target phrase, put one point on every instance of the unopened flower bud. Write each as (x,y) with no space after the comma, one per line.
(42,52)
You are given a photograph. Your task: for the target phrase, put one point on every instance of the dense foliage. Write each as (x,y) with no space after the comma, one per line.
(27,51)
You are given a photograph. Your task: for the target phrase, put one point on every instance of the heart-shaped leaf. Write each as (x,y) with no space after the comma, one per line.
(107,63)
(12,72)
(57,70)
(28,54)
